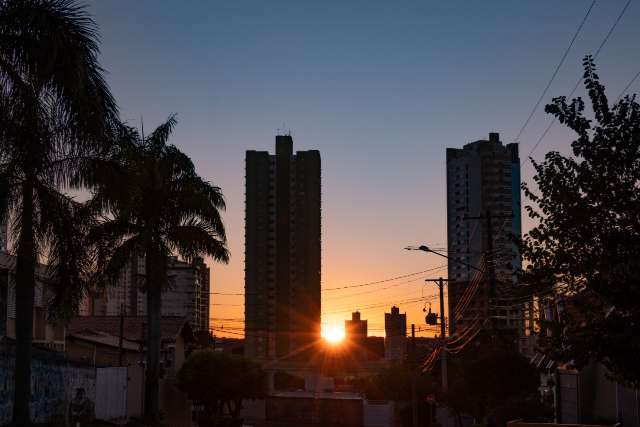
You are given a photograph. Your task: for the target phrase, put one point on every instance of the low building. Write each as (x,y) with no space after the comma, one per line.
(102,349)
(102,333)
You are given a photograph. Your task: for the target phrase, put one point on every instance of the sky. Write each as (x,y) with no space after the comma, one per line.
(381,88)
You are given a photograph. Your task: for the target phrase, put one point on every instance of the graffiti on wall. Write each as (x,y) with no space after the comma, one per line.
(54,384)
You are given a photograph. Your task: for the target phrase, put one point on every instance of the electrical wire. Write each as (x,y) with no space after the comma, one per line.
(604,42)
(628,86)
(382,281)
(555,72)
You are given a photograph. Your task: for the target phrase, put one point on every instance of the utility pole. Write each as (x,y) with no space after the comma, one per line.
(424,248)
(452,315)
(443,356)
(443,333)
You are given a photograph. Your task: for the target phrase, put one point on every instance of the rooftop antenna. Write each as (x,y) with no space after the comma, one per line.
(283,131)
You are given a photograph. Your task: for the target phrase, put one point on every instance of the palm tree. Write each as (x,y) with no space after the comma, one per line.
(55,109)
(154,204)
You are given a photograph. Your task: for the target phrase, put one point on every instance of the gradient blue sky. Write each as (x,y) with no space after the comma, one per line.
(380,88)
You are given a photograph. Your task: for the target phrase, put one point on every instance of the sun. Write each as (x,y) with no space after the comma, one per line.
(333,334)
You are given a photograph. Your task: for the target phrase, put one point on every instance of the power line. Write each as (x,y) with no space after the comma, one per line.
(624,9)
(384,288)
(604,42)
(555,72)
(628,86)
(382,281)
(226,293)
(386,304)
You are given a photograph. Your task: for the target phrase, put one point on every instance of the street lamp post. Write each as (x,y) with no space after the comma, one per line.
(440,283)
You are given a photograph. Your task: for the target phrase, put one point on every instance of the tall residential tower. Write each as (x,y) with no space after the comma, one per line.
(483,179)
(282,250)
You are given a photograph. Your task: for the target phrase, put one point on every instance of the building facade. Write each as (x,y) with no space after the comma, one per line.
(187,296)
(282,250)
(395,335)
(45,332)
(483,216)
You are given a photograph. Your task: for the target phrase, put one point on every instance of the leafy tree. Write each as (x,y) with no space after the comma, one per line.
(154,204)
(220,381)
(587,240)
(55,109)
(494,383)
(394,383)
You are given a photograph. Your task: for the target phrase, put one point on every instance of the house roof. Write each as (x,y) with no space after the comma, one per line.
(103,338)
(134,326)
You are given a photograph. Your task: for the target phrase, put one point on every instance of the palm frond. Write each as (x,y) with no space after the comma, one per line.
(55,44)
(159,137)
(195,238)
(61,230)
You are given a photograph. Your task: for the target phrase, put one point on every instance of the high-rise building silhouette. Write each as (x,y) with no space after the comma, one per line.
(282,251)
(483,179)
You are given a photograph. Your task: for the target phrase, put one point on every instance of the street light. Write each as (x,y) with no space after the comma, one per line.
(425,248)
(440,283)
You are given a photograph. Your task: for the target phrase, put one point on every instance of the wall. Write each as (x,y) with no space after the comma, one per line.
(174,405)
(569,397)
(53,383)
(299,412)
(378,413)
(111,393)
(135,391)
(590,397)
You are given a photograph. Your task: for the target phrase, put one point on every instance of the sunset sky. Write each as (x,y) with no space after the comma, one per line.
(380,88)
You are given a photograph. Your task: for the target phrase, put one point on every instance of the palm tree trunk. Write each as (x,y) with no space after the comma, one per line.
(25,291)
(156,276)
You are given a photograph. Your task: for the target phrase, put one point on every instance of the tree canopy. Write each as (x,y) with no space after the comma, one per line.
(220,381)
(55,110)
(587,238)
(494,383)
(153,204)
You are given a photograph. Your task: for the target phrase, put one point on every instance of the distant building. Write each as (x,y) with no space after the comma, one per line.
(483,178)
(282,250)
(395,340)
(45,333)
(356,335)
(120,298)
(187,296)
(356,328)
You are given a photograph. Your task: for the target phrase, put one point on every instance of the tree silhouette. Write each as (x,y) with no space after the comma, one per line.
(588,235)
(220,381)
(55,109)
(494,383)
(154,204)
